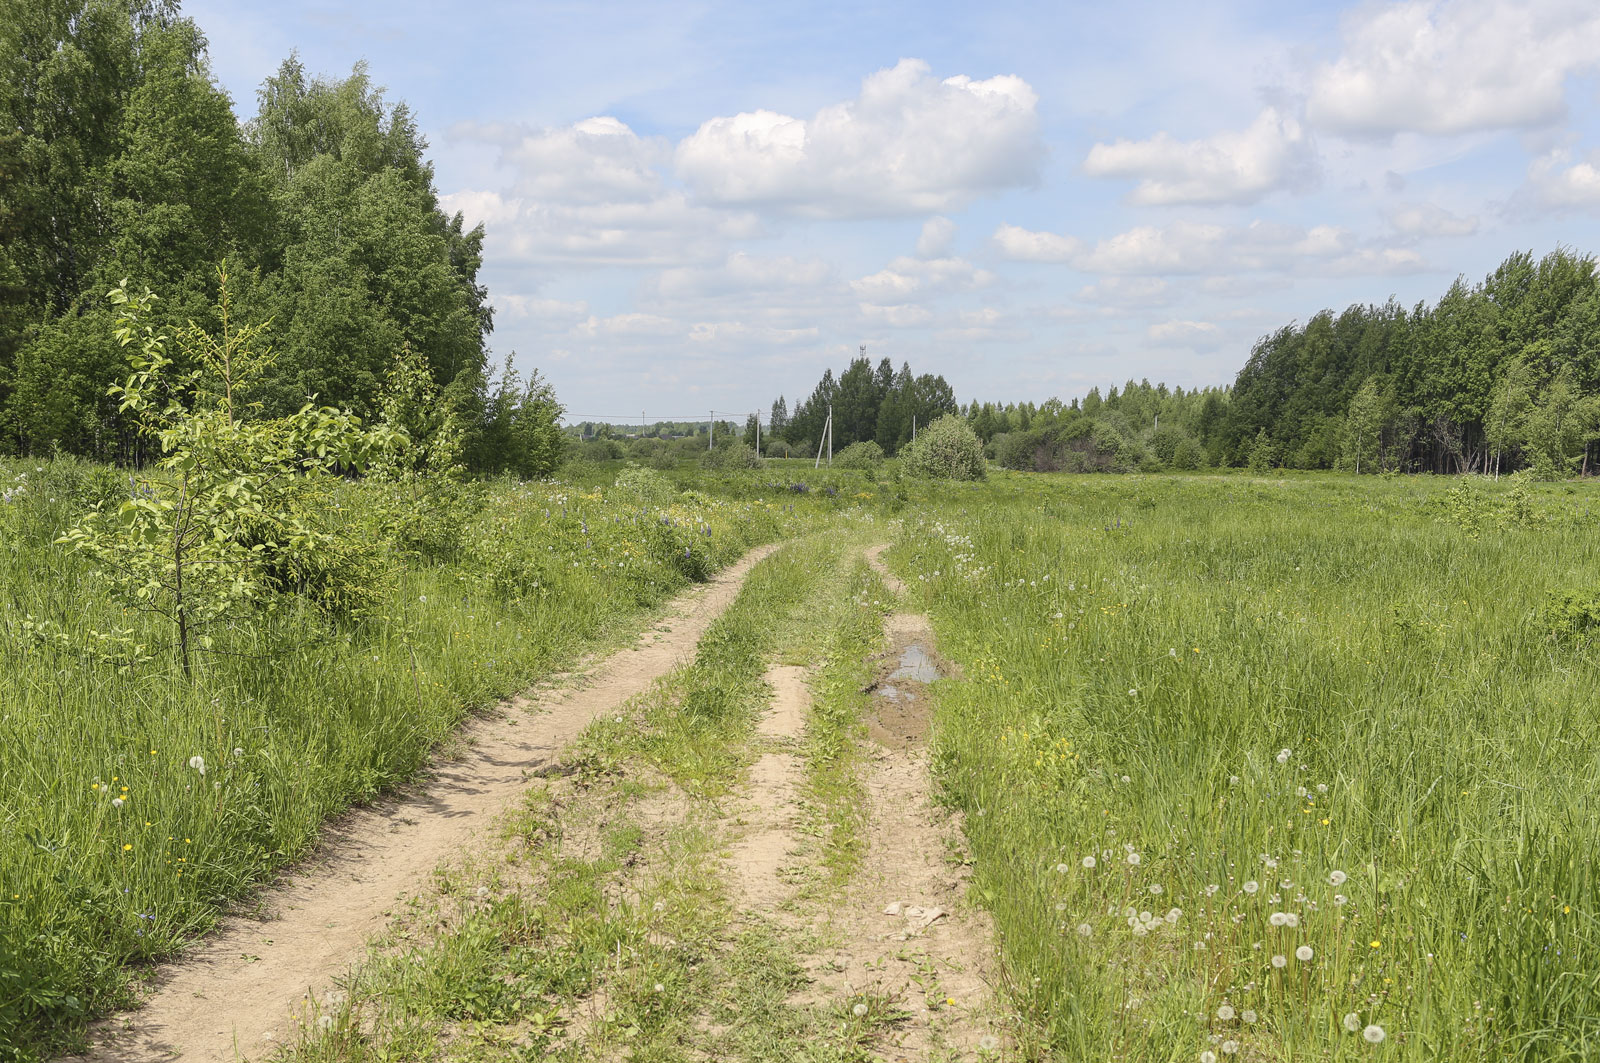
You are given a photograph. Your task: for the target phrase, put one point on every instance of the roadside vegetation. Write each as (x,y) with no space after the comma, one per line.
(141,801)
(1276,769)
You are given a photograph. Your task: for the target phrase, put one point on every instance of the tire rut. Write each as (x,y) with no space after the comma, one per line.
(242,988)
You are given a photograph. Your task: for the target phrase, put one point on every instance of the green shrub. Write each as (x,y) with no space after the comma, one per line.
(734,456)
(948,449)
(646,486)
(863,455)
(1575,615)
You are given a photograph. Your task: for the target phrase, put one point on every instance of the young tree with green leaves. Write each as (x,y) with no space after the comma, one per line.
(233,509)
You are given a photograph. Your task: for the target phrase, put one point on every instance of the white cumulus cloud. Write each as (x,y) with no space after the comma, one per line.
(1560,183)
(1187,333)
(1427,219)
(1455,66)
(909,143)
(907,277)
(1234,167)
(1187,247)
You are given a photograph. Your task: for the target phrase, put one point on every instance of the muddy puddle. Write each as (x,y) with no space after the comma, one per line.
(901,710)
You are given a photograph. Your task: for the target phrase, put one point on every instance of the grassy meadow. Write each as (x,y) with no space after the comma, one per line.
(137,805)
(1275,769)
(1251,768)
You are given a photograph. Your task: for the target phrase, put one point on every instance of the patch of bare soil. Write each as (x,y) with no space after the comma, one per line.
(903,933)
(241,989)
(771,803)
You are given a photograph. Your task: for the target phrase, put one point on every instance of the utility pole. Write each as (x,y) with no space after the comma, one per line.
(830,429)
(758,435)
(711,432)
(913,428)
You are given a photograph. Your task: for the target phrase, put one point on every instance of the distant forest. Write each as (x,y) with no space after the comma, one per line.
(1494,377)
(120,157)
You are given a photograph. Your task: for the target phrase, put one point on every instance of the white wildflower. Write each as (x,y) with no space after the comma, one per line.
(1352,1022)
(1303,953)
(1280,961)
(1251,886)
(1088,863)
(1225,1013)
(1373,1034)
(1283,756)
(198,763)
(859,1010)
(1337,878)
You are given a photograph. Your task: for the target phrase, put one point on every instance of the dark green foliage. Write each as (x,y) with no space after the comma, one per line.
(1574,615)
(863,455)
(121,159)
(1499,375)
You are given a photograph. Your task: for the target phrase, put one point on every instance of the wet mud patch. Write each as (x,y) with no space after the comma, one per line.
(901,708)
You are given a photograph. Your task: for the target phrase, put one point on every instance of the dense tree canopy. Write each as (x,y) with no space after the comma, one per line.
(121,158)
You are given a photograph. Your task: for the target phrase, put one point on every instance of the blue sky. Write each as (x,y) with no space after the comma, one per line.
(701,205)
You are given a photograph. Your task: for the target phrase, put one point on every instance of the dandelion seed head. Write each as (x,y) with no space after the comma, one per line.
(1337,878)
(1277,919)
(1251,886)
(1133,858)
(1373,1034)
(1303,953)
(1208,1056)
(1230,1048)
(1225,1013)
(1283,756)
(1174,914)
(1061,869)
(1248,1016)
(1340,899)
(1280,960)
(859,1010)
(198,763)
(1085,930)
(1088,862)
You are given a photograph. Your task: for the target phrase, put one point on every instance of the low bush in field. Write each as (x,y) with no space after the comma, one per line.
(948,449)
(737,455)
(864,455)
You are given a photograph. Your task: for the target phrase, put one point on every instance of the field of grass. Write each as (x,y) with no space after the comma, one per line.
(1288,770)
(138,805)
(1256,769)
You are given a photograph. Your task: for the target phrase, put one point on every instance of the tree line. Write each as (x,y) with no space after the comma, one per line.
(121,158)
(1493,377)
(876,404)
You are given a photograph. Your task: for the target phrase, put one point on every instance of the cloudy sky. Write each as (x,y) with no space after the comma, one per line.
(700,205)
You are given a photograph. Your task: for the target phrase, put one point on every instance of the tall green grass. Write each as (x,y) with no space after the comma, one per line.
(1204,724)
(117,847)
